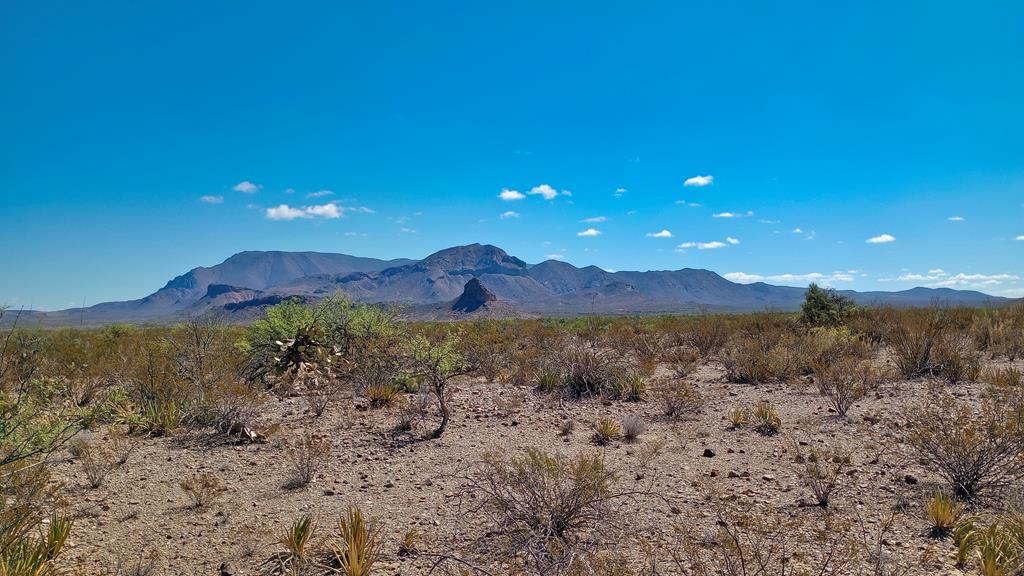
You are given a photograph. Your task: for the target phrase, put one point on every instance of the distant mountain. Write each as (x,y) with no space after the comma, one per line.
(246,283)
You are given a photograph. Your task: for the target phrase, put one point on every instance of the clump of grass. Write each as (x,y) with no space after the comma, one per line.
(631,387)
(632,427)
(548,379)
(306,458)
(679,399)
(1008,377)
(766,419)
(357,548)
(382,395)
(296,539)
(606,431)
(203,489)
(739,417)
(409,546)
(822,474)
(943,514)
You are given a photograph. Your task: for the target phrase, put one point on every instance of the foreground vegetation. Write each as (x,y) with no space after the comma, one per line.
(98,394)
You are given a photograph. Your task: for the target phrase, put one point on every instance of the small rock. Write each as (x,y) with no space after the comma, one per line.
(910,479)
(709,453)
(227,569)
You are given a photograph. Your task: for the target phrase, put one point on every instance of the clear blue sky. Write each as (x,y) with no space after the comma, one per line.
(141,139)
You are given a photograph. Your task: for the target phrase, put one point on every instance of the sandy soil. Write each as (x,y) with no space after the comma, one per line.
(141,508)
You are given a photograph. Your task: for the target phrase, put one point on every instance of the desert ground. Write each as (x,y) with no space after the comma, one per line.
(698,482)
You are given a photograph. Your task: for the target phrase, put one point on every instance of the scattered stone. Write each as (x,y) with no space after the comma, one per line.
(709,453)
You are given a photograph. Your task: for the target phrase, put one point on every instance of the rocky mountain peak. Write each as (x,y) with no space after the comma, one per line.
(474,296)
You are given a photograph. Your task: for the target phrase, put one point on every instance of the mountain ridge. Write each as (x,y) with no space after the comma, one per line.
(251,280)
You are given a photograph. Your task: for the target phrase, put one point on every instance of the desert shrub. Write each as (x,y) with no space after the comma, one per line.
(438,362)
(203,489)
(708,335)
(413,412)
(297,537)
(822,473)
(97,461)
(262,341)
(632,427)
(930,343)
(357,547)
(549,378)
(629,386)
(28,546)
(825,307)
(974,450)
(845,381)
(606,431)
(1006,377)
(382,395)
(766,420)
(679,399)
(544,511)
(567,428)
(683,361)
(763,357)
(955,360)
(943,514)
(757,541)
(588,370)
(306,456)
(993,548)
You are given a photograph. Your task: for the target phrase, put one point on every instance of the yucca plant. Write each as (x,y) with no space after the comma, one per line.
(382,395)
(943,514)
(297,538)
(409,544)
(358,546)
(606,431)
(739,418)
(23,555)
(766,419)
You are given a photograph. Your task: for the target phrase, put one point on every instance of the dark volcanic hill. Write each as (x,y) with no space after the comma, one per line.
(245,283)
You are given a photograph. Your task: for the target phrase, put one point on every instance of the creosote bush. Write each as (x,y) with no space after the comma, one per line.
(975,450)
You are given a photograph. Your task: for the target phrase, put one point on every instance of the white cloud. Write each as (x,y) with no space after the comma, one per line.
(329,211)
(555,257)
(732,240)
(955,218)
(798,279)
(547,191)
(975,280)
(938,271)
(661,234)
(703,245)
(595,219)
(320,194)
(1021,237)
(881,239)
(699,181)
(733,214)
(404,230)
(619,192)
(509,214)
(509,195)
(797,231)
(212,199)
(589,233)
(246,187)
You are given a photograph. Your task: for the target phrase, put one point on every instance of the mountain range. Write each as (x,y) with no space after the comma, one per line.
(246,283)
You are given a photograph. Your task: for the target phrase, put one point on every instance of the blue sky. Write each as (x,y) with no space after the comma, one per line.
(141,139)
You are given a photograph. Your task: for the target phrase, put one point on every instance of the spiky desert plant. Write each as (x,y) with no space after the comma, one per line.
(297,537)
(766,419)
(358,546)
(606,431)
(943,514)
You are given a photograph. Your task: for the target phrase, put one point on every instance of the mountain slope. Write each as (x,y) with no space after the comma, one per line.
(247,282)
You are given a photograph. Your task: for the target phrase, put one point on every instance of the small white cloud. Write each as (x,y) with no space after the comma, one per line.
(699,181)
(794,279)
(320,194)
(509,214)
(703,245)
(555,257)
(955,218)
(509,195)
(246,187)
(732,240)
(212,199)
(619,192)
(733,214)
(881,239)
(1021,237)
(404,230)
(547,191)
(589,233)
(329,211)
(661,234)
(937,271)
(797,231)
(594,219)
